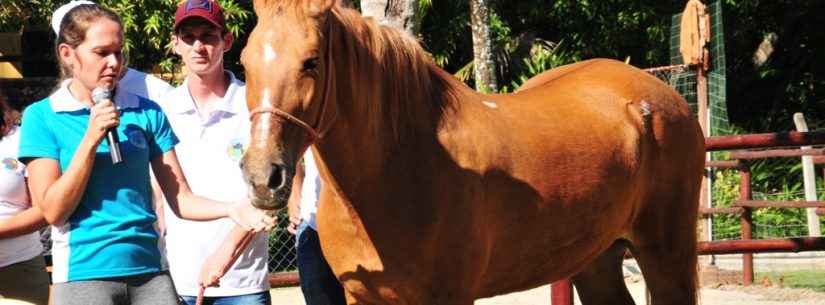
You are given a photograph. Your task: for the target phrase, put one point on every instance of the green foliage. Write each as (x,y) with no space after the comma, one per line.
(147,25)
(544,56)
(775,179)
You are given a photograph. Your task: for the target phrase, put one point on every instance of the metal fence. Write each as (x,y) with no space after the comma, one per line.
(282,255)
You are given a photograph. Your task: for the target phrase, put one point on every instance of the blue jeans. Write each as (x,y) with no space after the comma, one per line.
(318,283)
(260,298)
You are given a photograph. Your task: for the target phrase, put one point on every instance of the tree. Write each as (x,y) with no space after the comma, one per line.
(147,26)
(485,64)
(400,14)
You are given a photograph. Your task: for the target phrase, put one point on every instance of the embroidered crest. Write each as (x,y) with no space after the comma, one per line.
(235,149)
(11,164)
(136,138)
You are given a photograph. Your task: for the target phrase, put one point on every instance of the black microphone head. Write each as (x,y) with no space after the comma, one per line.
(100,94)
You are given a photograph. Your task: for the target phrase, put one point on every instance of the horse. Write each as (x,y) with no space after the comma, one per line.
(434,193)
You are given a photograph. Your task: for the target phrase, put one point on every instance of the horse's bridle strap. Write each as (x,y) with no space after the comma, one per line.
(289,118)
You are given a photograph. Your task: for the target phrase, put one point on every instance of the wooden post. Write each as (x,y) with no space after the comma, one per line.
(809,179)
(561,293)
(746,221)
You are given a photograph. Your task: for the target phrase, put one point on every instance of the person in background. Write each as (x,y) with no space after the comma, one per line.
(318,284)
(22,268)
(105,248)
(143,85)
(208,113)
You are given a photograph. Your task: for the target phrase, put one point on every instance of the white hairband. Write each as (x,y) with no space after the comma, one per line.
(60,13)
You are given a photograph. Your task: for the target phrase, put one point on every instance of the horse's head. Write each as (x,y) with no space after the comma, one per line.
(285,71)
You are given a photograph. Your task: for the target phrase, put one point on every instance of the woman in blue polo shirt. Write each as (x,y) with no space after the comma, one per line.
(105,246)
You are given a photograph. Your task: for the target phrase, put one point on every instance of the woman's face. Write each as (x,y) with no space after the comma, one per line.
(98,60)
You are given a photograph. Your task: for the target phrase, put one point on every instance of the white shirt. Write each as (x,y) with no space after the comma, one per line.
(310,190)
(211,145)
(13,200)
(145,85)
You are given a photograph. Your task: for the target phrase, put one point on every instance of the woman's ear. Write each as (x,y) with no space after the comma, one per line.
(67,55)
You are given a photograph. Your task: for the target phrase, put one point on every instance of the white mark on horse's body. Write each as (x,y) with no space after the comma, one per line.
(269,54)
(645,107)
(490,104)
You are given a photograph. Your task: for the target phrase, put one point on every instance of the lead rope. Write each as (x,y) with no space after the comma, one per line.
(242,247)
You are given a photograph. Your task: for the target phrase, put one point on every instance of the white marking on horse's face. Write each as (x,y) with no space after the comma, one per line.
(490,104)
(269,54)
(264,125)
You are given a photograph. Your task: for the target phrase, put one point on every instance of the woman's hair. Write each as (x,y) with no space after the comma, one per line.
(73,29)
(8,117)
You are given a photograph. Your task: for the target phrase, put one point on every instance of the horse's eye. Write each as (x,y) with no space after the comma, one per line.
(310,64)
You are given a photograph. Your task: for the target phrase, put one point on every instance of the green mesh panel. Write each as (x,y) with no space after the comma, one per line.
(717,87)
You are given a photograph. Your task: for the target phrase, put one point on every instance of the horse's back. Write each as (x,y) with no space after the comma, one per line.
(589,143)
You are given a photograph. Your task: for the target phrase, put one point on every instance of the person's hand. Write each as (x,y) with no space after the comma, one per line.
(294,221)
(252,219)
(102,117)
(214,267)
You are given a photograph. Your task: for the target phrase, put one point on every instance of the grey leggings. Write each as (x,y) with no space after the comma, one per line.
(144,289)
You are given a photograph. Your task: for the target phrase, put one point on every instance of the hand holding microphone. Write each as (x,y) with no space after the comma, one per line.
(106,118)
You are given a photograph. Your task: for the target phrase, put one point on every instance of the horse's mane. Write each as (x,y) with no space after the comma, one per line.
(394,81)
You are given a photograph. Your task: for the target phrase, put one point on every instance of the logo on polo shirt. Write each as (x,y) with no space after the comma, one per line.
(136,137)
(236,149)
(12,165)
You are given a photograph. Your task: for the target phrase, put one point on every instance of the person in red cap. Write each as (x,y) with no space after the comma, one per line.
(209,115)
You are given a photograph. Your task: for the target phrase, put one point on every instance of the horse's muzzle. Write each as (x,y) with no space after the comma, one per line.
(269,189)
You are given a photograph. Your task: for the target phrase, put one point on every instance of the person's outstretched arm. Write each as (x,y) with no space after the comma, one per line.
(187,205)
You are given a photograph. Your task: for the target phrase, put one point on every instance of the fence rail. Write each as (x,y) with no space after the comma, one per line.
(745,205)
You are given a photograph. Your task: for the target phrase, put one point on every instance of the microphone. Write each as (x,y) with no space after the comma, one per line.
(99,95)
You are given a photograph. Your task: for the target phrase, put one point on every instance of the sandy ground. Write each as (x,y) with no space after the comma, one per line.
(724,295)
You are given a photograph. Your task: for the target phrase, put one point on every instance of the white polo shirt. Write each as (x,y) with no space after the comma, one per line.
(209,152)
(15,199)
(310,190)
(145,85)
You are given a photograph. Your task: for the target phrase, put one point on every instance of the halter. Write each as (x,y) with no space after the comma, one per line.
(314,135)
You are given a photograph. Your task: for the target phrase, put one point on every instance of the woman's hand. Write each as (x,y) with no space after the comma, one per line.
(103,116)
(252,219)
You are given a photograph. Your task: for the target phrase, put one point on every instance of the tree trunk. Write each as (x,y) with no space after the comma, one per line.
(485,64)
(399,14)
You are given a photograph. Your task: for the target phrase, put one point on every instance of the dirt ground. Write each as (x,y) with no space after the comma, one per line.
(722,295)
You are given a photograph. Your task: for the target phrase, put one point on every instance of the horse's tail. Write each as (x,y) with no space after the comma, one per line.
(672,152)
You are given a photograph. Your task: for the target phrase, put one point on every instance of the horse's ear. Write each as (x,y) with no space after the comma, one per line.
(320,7)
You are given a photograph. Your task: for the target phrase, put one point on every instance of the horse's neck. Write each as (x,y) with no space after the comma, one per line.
(392,102)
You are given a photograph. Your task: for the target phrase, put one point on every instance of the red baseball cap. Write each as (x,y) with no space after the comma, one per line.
(209,10)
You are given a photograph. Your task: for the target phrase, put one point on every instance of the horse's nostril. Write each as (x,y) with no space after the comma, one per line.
(276,177)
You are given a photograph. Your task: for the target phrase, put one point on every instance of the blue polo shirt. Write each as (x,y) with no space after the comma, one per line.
(111,232)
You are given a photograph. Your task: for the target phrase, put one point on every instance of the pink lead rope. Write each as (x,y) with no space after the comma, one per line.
(242,247)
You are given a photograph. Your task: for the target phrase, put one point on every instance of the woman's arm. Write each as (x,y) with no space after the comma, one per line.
(58,194)
(189,206)
(23,223)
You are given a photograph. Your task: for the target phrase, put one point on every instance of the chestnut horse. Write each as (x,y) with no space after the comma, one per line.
(437,194)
